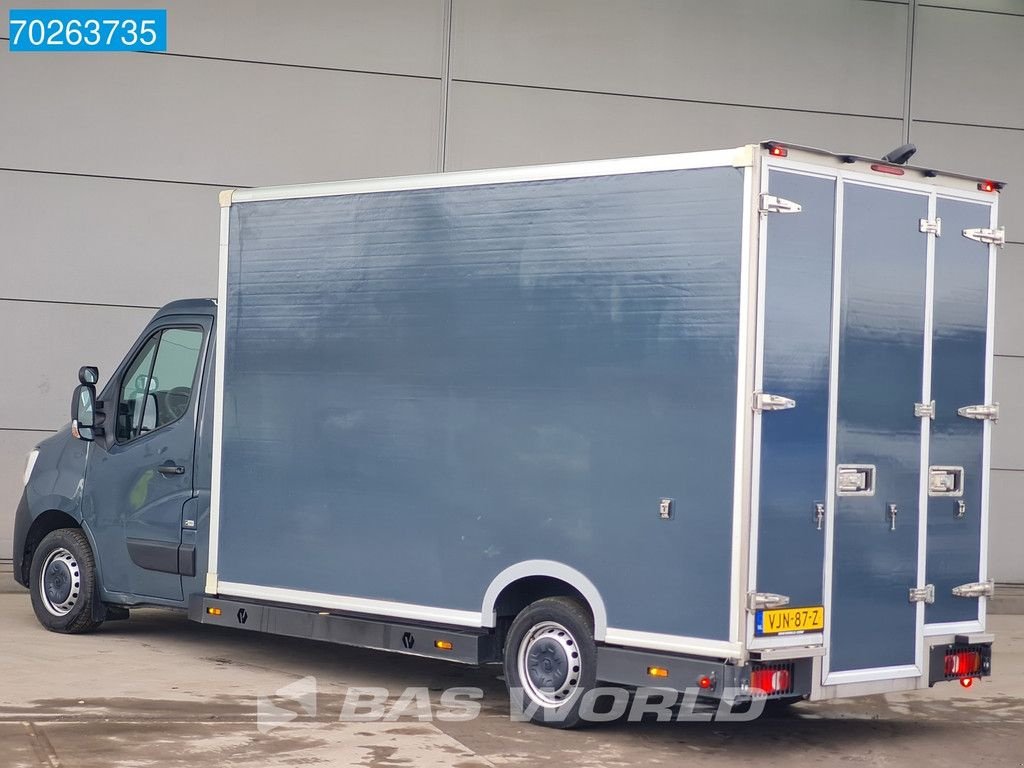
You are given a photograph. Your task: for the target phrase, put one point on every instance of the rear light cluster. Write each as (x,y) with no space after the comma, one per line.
(960,662)
(771,679)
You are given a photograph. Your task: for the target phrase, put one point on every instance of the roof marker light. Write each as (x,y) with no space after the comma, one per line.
(987,186)
(776,151)
(891,170)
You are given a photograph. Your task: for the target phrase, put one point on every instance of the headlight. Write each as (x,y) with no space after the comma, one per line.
(30,464)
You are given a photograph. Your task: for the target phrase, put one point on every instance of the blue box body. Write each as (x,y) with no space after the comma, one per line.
(425,387)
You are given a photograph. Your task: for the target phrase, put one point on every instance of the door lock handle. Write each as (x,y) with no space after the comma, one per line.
(891,516)
(170,469)
(819,514)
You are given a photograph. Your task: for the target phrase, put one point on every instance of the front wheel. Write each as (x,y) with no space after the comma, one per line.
(550,661)
(63,582)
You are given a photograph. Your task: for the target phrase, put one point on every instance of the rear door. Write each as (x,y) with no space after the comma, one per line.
(961,381)
(876,524)
(794,349)
(869,499)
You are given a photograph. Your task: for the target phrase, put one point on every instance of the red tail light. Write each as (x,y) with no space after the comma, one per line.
(962,663)
(770,681)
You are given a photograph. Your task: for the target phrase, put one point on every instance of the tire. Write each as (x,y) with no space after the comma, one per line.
(550,662)
(63,582)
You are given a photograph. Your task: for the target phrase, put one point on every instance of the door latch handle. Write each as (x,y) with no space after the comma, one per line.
(819,514)
(170,469)
(961,509)
(891,516)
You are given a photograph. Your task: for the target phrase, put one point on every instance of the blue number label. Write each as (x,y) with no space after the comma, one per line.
(87,30)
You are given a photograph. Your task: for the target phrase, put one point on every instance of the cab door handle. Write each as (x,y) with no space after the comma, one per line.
(170,469)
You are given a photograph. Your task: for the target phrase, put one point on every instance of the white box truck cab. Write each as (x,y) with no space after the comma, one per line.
(715,420)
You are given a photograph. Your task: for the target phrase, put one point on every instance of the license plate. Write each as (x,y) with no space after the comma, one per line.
(789,621)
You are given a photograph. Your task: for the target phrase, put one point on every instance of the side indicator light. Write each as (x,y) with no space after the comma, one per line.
(213,611)
(657,672)
(967,682)
(891,170)
(442,645)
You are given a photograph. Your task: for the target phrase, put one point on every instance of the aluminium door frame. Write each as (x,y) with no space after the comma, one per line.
(870,674)
(932,192)
(978,624)
(811,638)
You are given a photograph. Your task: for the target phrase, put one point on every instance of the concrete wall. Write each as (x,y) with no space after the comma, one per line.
(111,163)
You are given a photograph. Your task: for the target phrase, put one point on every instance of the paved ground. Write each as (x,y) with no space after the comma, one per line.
(161,691)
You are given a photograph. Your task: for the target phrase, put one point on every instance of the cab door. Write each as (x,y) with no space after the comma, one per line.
(140,475)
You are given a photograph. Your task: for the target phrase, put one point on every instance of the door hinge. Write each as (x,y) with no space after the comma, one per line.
(758,600)
(924,409)
(932,226)
(977,589)
(990,412)
(987,235)
(762,401)
(774,204)
(925,594)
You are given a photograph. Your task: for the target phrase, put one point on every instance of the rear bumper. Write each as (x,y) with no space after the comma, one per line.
(22,523)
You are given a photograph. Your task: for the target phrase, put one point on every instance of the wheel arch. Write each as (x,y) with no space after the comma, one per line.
(44,524)
(526,581)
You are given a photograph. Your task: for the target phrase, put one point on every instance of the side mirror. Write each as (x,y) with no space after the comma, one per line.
(89,374)
(83,412)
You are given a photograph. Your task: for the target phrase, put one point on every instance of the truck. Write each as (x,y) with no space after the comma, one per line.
(716,420)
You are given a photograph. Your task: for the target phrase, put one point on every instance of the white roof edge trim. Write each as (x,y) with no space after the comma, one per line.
(738,156)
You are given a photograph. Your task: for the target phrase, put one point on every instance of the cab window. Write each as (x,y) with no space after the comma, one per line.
(157,386)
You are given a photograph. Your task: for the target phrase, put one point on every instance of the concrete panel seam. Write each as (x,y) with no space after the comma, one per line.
(674,99)
(77,303)
(122,178)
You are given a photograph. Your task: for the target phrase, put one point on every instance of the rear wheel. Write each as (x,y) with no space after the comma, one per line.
(550,661)
(63,582)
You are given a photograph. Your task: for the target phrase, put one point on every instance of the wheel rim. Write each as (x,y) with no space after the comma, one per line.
(549,664)
(60,582)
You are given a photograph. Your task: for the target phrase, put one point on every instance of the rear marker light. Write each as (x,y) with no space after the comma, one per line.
(967,682)
(892,171)
(706,682)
